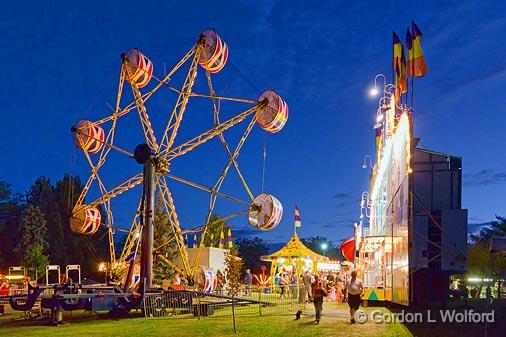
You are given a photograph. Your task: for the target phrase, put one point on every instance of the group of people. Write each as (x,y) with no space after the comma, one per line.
(341,287)
(288,284)
(349,287)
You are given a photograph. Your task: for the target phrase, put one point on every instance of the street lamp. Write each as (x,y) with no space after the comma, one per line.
(373,92)
(324,247)
(364,165)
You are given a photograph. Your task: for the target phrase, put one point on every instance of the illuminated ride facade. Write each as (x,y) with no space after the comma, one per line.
(412,232)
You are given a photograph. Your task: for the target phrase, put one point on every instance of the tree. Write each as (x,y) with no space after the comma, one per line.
(315,244)
(11,208)
(36,258)
(163,233)
(233,267)
(33,233)
(214,229)
(250,250)
(478,260)
(65,246)
(41,195)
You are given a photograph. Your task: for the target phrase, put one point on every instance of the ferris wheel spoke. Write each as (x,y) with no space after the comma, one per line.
(112,252)
(220,98)
(85,190)
(132,236)
(205,136)
(149,135)
(207,189)
(110,135)
(170,263)
(114,192)
(94,176)
(182,100)
(148,94)
(202,228)
(170,208)
(232,156)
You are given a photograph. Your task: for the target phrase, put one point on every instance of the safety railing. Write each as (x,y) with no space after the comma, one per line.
(249,301)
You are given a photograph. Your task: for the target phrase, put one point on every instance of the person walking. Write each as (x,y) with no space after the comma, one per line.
(318,289)
(307,281)
(355,289)
(248,278)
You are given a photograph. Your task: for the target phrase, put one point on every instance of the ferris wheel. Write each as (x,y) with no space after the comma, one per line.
(98,138)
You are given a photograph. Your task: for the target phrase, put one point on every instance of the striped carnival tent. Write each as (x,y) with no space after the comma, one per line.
(294,255)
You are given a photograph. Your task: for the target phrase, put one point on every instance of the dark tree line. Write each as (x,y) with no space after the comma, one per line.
(46,204)
(478,258)
(35,231)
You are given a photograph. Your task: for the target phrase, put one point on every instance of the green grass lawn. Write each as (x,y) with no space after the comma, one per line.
(275,321)
(335,323)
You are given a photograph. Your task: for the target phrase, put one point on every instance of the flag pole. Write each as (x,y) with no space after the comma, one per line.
(295,223)
(412,92)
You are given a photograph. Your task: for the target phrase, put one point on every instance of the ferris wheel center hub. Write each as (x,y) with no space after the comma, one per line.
(142,153)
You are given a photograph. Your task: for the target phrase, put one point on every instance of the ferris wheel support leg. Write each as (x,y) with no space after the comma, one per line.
(148,226)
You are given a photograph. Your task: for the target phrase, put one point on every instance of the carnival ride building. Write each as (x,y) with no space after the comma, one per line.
(413,231)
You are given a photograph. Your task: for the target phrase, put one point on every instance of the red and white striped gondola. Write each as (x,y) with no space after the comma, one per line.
(215,53)
(272,117)
(205,279)
(266,212)
(139,69)
(88,137)
(86,221)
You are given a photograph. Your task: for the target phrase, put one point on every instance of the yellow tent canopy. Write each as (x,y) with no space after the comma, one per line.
(294,249)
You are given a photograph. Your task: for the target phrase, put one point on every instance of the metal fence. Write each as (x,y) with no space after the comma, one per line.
(255,301)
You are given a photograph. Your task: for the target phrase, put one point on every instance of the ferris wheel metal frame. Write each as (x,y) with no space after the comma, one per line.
(269,111)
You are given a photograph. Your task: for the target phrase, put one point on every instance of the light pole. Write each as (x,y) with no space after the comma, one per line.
(373,92)
(324,247)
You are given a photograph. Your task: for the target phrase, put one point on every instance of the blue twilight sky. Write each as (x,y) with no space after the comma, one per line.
(61,64)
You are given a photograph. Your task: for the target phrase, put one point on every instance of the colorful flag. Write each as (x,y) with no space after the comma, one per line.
(222,239)
(194,240)
(229,238)
(298,223)
(399,66)
(185,240)
(417,67)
